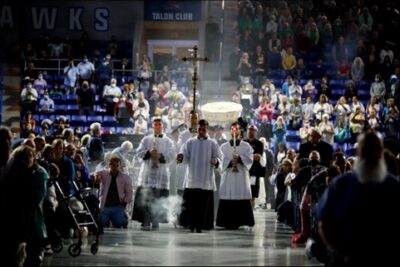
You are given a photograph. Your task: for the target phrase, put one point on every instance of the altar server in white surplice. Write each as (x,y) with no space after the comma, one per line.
(203,155)
(157,151)
(235,208)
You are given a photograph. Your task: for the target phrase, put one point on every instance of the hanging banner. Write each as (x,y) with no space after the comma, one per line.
(172,10)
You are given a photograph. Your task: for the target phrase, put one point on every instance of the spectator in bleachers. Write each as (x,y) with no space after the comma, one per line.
(271,27)
(140,125)
(287,36)
(286,85)
(342,134)
(304,131)
(391,119)
(244,68)
(245,21)
(326,36)
(386,51)
(45,130)
(28,125)
(374,105)
(234,59)
(284,108)
(85,98)
(326,129)
(29,97)
(176,116)
(123,111)
(68,136)
(322,107)
(341,110)
(40,84)
(71,75)
(308,110)
(357,69)
(356,103)
(295,114)
(340,51)
(309,90)
(86,70)
(164,76)
(29,52)
(281,153)
(350,90)
(275,59)
(103,74)
(372,63)
(265,109)
(361,51)
(111,95)
(394,90)
(279,132)
(144,77)
(343,70)
(295,91)
(259,65)
(303,43)
(95,146)
(319,70)
(174,95)
(268,87)
(323,87)
(123,152)
(274,41)
(56,47)
(301,71)
(289,61)
(30,72)
(357,122)
(265,129)
(373,121)
(386,68)
(46,104)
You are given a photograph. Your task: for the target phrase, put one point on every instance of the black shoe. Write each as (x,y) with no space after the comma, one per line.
(191,229)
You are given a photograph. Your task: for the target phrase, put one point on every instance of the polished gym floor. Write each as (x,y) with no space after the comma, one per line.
(268,243)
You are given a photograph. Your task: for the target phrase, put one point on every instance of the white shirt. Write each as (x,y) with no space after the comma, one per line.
(198,153)
(155,177)
(112,91)
(86,69)
(46,104)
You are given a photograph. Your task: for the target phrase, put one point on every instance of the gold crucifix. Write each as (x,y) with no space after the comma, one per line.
(194,59)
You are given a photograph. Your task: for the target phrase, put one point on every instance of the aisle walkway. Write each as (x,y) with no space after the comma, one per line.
(267,244)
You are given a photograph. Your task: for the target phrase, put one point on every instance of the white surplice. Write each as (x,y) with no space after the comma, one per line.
(236,185)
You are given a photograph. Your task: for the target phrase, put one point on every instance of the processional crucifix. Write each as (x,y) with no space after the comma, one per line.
(194,59)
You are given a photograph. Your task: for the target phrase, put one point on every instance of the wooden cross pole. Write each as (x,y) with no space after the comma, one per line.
(194,59)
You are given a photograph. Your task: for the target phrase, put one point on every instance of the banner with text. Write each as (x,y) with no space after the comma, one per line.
(172,10)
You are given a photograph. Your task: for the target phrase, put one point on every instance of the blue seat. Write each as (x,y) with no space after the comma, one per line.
(91,119)
(60,109)
(294,145)
(47,116)
(78,120)
(109,121)
(293,138)
(72,109)
(70,99)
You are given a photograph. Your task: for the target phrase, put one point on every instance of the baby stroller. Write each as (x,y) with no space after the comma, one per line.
(75,213)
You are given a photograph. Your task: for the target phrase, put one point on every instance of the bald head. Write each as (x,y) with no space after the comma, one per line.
(370,148)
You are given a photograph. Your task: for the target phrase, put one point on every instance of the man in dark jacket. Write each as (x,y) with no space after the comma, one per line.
(325,150)
(256,170)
